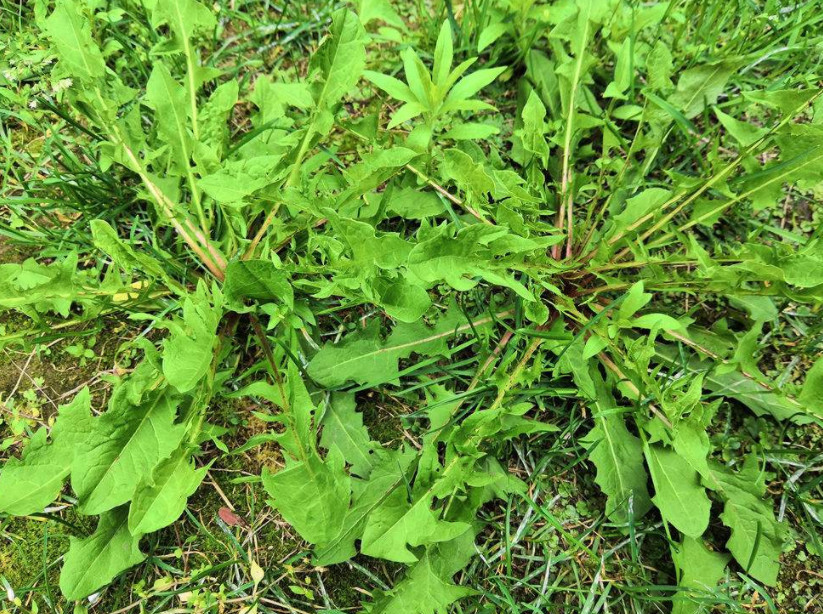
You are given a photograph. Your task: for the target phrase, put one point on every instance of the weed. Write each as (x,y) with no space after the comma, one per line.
(379,310)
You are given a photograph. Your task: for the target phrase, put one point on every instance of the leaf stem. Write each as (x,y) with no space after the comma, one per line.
(476,214)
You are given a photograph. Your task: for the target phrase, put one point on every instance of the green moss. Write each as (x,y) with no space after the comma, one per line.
(31,548)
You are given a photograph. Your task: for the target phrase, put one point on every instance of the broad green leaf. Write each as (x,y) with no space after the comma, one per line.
(70,32)
(364,358)
(382,10)
(161,498)
(124,446)
(805,268)
(811,395)
(124,255)
(29,484)
(214,117)
(691,441)
(657,321)
(701,86)
(443,55)
(340,59)
(659,66)
(678,495)
(700,570)
(618,457)
(343,427)
(312,495)
(470,132)
(637,207)
(168,100)
(187,19)
(413,204)
(387,475)
(188,352)
(461,258)
(757,538)
(94,561)
(504,423)
(622,72)
(466,173)
(274,97)
(397,523)
(237,179)
(469,85)
(787,101)
(408,111)
(426,589)
(533,132)
(401,298)
(393,87)
(757,396)
(259,280)
(418,78)
(336,66)
(490,34)
(743,132)
(35,288)
(369,248)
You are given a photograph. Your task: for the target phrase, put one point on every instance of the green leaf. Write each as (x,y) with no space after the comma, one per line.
(185,18)
(426,589)
(636,208)
(79,53)
(618,457)
(468,174)
(237,179)
(760,398)
(811,395)
(259,280)
(381,10)
(700,570)
(161,498)
(188,352)
(37,288)
(701,86)
(461,259)
(534,130)
(393,87)
(678,494)
(401,298)
(312,495)
(168,100)
(94,561)
(124,255)
(470,132)
(336,67)
(123,448)
(469,85)
(443,55)
(657,321)
(387,475)
(343,428)
(29,484)
(659,63)
(622,72)
(805,268)
(397,523)
(490,34)
(413,204)
(756,541)
(364,358)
